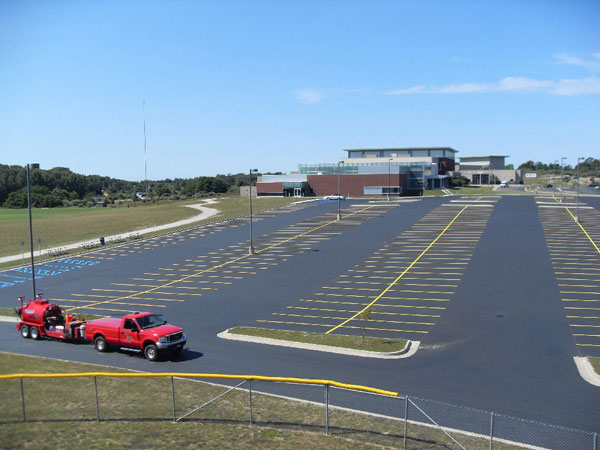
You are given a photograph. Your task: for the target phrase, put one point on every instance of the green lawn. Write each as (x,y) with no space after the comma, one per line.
(335,340)
(475,190)
(137,413)
(61,226)
(595,362)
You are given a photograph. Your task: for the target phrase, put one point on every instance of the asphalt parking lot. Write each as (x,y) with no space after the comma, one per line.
(483,283)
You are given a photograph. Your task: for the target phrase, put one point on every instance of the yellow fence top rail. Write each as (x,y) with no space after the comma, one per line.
(355,387)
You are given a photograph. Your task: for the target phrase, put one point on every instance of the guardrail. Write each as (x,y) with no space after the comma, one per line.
(353,411)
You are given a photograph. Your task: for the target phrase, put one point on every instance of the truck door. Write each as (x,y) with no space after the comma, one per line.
(130,335)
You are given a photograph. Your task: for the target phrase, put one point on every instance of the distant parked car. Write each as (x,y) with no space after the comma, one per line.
(504,184)
(549,185)
(334,197)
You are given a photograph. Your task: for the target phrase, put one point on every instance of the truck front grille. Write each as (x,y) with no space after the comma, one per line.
(174,337)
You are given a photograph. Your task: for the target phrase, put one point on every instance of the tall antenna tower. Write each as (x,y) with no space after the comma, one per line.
(145,158)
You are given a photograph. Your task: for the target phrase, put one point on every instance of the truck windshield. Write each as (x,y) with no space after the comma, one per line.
(150,321)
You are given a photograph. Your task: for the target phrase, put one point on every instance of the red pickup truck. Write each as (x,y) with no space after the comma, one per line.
(144,331)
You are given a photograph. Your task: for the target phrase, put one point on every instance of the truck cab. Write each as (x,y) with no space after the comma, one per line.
(141,331)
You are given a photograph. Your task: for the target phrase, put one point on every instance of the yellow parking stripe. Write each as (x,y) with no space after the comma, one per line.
(399,276)
(347,326)
(584,231)
(309,316)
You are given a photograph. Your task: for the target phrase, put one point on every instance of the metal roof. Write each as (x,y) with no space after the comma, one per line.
(399,148)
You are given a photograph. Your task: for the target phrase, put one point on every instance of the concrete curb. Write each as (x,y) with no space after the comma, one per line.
(586,370)
(8,319)
(409,350)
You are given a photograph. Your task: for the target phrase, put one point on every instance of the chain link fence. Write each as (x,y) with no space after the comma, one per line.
(314,405)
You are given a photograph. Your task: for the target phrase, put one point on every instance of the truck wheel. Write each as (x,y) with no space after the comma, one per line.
(151,352)
(34,332)
(24,331)
(100,344)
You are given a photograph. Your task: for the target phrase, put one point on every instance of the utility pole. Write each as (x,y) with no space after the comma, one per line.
(554,180)
(578,183)
(30,230)
(562,176)
(251,248)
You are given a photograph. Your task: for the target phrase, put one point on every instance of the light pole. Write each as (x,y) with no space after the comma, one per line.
(251,248)
(562,176)
(578,183)
(30,230)
(389,175)
(554,180)
(339,215)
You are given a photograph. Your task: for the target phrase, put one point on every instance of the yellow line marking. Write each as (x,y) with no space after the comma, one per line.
(578,300)
(114,303)
(347,326)
(187,277)
(309,316)
(401,275)
(580,307)
(583,229)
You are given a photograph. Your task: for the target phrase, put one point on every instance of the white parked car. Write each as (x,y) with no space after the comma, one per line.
(334,197)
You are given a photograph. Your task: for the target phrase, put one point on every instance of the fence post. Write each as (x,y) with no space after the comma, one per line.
(326,409)
(595,441)
(173,397)
(405,419)
(96,394)
(250,399)
(23,400)
(491,429)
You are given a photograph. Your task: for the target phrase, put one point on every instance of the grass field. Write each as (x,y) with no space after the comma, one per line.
(61,226)
(137,414)
(335,340)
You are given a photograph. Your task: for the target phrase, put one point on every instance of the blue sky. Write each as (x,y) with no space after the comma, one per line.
(230,85)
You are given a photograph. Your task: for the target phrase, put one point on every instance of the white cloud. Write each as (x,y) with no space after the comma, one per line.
(576,86)
(583,86)
(464,88)
(309,96)
(590,63)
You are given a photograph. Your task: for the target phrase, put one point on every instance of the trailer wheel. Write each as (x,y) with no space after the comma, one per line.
(100,344)
(24,331)
(151,352)
(34,332)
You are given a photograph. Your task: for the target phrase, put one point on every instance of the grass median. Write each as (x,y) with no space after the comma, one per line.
(595,362)
(370,344)
(137,413)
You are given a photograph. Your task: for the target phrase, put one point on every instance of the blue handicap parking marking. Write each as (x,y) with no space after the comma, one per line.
(13,276)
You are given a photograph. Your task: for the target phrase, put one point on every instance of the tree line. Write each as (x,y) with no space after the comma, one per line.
(62,187)
(590,167)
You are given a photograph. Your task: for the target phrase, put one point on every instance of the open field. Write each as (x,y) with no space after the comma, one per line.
(63,412)
(61,226)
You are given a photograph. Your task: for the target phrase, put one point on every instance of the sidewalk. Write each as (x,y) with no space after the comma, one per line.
(204,214)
